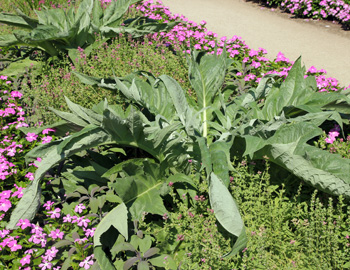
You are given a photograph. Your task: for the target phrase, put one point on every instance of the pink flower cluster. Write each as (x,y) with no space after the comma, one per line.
(5,196)
(29,235)
(188,33)
(336,9)
(332,134)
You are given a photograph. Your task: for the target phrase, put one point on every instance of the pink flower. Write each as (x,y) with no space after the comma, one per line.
(16,94)
(55,213)
(31,137)
(82,222)
(333,134)
(48,205)
(89,232)
(56,234)
(47,130)
(79,208)
(36,229)
(19,192)
(45,265)
(5,205)
(255,64)
(87,262)
(25,260)
(67,218)
(24,223)
(5,194)
(249,77)
(4,232)
(30,176)
(253,53)
(46,139)
(281,58)
(51,253)
(14,246)
(312,69)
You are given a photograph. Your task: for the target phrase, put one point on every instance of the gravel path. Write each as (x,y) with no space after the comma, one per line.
(321,44)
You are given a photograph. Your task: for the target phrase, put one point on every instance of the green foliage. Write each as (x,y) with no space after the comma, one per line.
(278,120)
(288,225)
(47,85)
(167,130)
(57,30)
(170,140)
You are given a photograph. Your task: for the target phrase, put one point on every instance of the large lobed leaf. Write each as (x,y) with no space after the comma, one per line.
(319,171)
(140,190)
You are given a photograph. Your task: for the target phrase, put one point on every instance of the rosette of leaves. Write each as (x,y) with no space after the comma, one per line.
(58,30)
(277,120)
(166,130)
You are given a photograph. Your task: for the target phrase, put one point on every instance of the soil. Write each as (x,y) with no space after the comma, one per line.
(323,44)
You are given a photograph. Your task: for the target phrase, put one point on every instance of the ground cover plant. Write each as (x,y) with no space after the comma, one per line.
(324,10)
(137,147)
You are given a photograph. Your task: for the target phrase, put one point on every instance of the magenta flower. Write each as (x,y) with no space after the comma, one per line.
(255,64)
(312,70)
(47,130)
(5,194)
(56,234)
(48,205)
(14,246)
(89,232)
(25,260)
(30,176)
(55,213)
(67,218)
(79,208)
(19,192)
(36,229)
(24,223)
(16,94)
(31,137)
(45,265)
(46,139)
(5,205)
(87,262)
(51,253)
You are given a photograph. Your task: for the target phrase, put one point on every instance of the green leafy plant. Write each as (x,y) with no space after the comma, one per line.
(167,130)
(278,121)
(57,30)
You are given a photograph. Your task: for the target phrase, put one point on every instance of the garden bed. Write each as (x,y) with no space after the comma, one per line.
(143,176)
